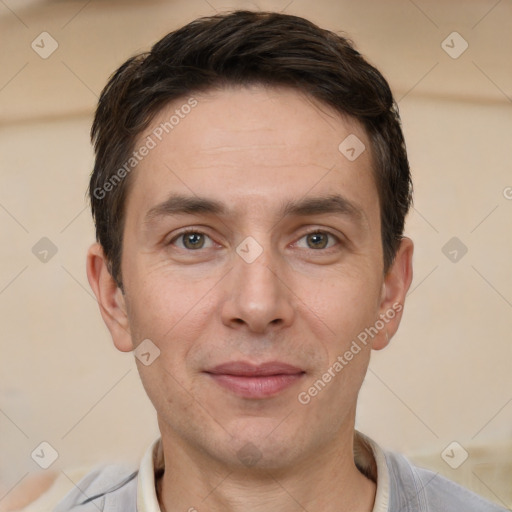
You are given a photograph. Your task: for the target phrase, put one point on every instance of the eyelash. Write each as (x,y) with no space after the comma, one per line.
(187,232)
(338,242)
(311,232)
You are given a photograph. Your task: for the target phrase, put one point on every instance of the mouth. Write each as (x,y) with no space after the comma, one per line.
(256,381)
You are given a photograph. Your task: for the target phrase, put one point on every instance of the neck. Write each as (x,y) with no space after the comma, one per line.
(328,481)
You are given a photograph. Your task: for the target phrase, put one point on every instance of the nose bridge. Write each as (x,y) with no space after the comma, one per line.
(256,266)
(258,296)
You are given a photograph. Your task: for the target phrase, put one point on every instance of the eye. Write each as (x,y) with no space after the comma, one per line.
(191,240)
(319,239)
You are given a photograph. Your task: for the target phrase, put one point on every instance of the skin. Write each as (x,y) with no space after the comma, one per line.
(302,301)
(27,491)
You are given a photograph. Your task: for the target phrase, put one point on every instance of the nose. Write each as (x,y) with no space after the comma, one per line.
(257,294)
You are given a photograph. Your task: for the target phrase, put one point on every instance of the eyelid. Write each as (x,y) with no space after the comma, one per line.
(185,231)
(312,231)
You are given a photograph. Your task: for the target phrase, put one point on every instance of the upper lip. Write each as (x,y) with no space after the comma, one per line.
(241,368)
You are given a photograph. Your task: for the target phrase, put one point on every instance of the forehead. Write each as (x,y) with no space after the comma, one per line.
(252,142)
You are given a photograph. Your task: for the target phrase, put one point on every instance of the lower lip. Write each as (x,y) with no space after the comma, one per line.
(256,387)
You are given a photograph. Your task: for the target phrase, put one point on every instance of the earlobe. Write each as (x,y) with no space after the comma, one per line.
(394,290)
(109,297)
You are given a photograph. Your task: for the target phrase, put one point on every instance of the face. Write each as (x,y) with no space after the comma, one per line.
(252,260)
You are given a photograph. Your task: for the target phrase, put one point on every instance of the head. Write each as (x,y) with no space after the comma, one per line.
(258,113)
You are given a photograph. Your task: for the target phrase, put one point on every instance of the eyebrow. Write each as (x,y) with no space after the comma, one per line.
(333,203)
(177,204)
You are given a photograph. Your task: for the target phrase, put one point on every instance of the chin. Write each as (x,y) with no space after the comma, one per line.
(259,446)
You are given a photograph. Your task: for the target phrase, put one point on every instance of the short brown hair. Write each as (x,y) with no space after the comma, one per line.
(244,48)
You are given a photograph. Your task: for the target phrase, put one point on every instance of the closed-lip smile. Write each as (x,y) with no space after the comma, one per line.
(255,381)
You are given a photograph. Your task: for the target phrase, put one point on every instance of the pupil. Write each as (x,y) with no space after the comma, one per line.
(193,239)
(315,238)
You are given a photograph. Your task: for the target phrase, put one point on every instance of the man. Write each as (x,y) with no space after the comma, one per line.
(249,194)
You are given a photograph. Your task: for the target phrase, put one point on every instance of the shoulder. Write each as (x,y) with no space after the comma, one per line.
(417,489)
(109,488)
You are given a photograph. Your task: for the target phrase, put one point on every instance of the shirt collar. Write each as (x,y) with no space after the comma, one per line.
(368,455)
(150,464)
(364,448)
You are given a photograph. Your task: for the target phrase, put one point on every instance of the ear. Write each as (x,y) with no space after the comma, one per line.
(394,289)
(110,298)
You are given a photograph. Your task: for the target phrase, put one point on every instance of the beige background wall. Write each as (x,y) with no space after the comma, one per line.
(447,376)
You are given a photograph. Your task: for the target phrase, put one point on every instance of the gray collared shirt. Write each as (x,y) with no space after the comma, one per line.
(401,487)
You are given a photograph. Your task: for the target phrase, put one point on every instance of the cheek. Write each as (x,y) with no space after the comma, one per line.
(173,320)
(162,301)
(347,301)
(171,315)
(347,310)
